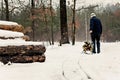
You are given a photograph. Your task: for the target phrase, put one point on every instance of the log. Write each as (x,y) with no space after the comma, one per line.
(17,28)
(27,59)
(22,54)
(25,37)
(23,50)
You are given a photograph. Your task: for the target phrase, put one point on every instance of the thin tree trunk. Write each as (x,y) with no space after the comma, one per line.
(73,25)
(33,21)
(7,10)
(52,36)
(2,10)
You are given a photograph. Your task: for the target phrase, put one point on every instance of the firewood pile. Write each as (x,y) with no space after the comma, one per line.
(11,50)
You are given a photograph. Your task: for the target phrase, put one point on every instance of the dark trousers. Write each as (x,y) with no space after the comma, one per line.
(96,42)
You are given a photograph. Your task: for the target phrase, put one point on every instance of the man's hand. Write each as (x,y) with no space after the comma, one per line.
(90,31)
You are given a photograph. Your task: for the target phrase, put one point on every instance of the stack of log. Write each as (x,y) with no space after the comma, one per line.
(13,28)
(24,53)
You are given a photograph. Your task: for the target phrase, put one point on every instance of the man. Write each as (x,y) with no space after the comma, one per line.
(95,31)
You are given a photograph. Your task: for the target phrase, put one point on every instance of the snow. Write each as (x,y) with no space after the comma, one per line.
(8,23)
(14,42)
(64,62)
(67,63)
(13,34)
(6,34)
(18,42)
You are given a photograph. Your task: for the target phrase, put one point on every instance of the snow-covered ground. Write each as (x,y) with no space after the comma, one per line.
(67,63)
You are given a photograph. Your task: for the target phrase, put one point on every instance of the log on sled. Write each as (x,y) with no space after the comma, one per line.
(22,54)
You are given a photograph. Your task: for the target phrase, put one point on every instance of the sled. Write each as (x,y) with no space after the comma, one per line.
(87,48)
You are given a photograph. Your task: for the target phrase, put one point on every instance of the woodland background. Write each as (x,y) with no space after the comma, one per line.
(46,19)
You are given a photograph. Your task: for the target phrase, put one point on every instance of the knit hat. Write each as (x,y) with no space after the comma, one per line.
(92,15)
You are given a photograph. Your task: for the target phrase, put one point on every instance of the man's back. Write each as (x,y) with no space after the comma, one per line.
(95,25)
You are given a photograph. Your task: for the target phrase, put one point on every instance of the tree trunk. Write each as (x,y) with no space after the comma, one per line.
(63,22)
(73,25)
(33,21)
(46,24)
(7,10)
(2,10)
(51,22)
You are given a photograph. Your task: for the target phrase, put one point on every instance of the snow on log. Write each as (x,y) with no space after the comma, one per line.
(8,23)
(7,34)
(12,26)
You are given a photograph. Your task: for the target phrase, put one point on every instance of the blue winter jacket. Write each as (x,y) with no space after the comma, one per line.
(95,25)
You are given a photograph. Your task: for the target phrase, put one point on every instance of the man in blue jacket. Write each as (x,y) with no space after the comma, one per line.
(95,31)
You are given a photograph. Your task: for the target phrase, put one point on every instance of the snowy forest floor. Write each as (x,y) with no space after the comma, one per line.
(67,63)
